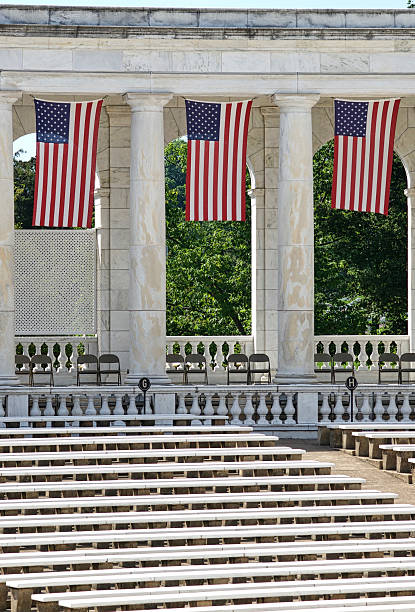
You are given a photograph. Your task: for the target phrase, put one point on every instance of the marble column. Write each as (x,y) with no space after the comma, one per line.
(295,240)
(7,284)
(410,194)
(147,250)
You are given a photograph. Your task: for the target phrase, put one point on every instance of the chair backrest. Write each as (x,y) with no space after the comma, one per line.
(343,358)
(388,358)
(196,358)
(87,359)
(174,358)
(408,358)
(322,358)
(258,358)
(108,358)
(238,358)
(41,360)
(21,360)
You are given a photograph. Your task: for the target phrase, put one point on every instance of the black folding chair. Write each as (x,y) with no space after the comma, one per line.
(263,368)
(196,364)
(104,367)
(175,365)
(238,364)
(383,361)
(91,369)
(340,365)
(45,368)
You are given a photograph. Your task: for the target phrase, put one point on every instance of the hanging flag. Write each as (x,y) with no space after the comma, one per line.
(216,160)
(66,148)
(363,152)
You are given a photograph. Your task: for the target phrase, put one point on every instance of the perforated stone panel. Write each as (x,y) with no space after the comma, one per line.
(55,282)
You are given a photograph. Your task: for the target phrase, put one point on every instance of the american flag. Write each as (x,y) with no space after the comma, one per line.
(363,152)
(66,147)
(216,160)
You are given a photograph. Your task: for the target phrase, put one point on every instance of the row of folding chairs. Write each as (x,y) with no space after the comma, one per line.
(89,366)
(241,366)
(343,363)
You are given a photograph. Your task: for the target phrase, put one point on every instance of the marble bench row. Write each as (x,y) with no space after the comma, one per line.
(22,587)
(51,505)
(255,592)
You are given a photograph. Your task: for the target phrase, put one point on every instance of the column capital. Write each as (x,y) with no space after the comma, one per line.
(410,192)
(8,98)
(269,111)
(295,103)
(153,102)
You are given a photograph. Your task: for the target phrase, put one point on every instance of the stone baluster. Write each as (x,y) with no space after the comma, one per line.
(62,409)
(195,408)
(118,409)
(365,408)
(375,354)
(289,410)
(219,357)
(49,410)
(2,410)
(105,409)
(406,407)
(132,408)
(392,408)
(90,409)
(147,249)
(276,409)
(181,409)
(338,408)
(325,409)
(249,410)
(76,408)
(35,410)
(295,239)
(378,407)
(222,409)
(262,410)
(208,410)
(236,410)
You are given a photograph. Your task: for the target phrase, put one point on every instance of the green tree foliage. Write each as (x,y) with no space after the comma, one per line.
(208,264)
(24,188)
(360,259)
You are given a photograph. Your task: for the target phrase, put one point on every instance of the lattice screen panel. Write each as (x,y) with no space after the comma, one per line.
(55,282)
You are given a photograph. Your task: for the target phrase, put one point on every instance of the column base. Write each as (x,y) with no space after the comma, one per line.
(155,379)
(294,379)
(9,381)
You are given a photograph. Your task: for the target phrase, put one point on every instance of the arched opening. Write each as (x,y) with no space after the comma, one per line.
(360,259)
(208,263)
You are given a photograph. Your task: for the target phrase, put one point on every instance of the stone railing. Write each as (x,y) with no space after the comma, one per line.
(63,351)
(366,350)
(214,348)
(260,406)
(372,403)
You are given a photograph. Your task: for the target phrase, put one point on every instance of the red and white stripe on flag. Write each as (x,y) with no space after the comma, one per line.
(363,154)
(216,160)
(66,148)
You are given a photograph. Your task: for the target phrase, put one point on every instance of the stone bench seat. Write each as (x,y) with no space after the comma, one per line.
(23,586)
(262,591)
(136,442)
(155,556)
(212,535)
(341,435)
(257,452)
(367,444)
(204,469)
(126,430)
(169,502)
(222,517)
(395,456)
(184,485)
(374,604)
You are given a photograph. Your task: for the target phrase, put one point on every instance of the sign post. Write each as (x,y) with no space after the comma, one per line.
(144,385)
(351,384)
